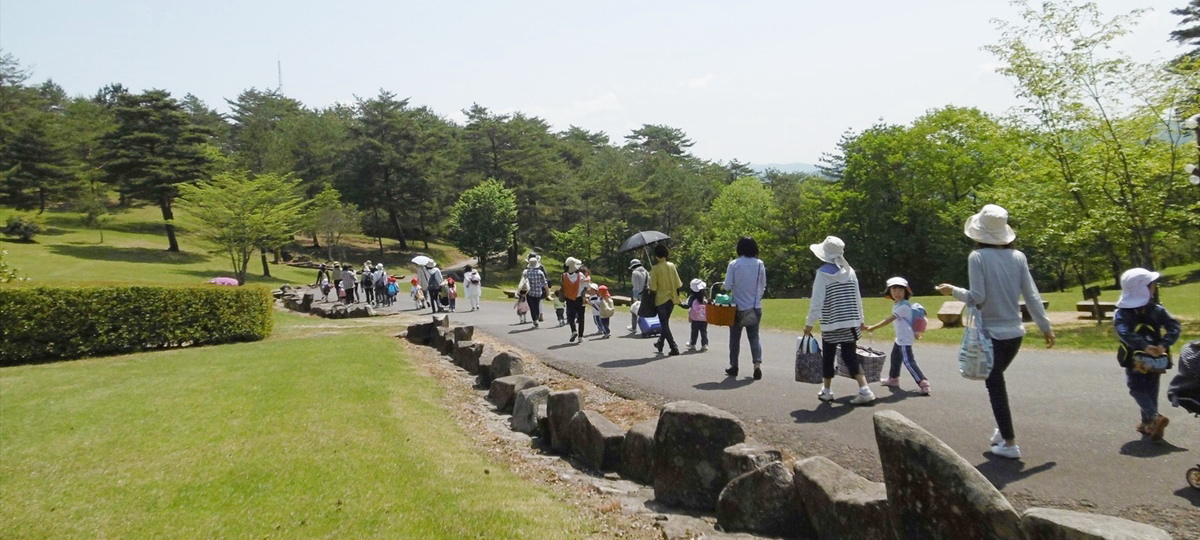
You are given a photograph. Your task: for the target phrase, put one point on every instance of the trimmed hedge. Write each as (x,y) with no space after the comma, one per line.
(41,324)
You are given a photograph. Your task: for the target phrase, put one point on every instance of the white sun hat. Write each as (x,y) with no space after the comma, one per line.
(830,250)
(1135,287)
(990,226)
(698,285)
(897,282)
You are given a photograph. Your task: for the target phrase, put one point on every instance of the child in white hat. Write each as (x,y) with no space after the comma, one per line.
(697,314)
(899,292)
(1146,331)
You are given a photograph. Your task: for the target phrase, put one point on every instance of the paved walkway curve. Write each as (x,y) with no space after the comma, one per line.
(1073,417)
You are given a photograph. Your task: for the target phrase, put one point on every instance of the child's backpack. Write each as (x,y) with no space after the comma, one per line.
(698,311)
(919,322)
(393,289)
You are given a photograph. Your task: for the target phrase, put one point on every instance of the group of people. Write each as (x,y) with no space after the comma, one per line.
(440,293)
(999,278)
(371,284)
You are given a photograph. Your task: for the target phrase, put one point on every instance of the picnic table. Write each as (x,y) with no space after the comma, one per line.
(1025,316)
(951,313)
(1090,307)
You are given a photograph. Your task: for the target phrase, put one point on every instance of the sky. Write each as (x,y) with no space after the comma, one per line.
(757,81)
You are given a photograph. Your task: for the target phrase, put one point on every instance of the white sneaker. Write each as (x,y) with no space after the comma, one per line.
(996,437)
(825,395)
(863,397)
(630,328)
(1010,452)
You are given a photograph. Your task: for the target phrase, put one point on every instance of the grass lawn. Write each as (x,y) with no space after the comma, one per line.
(320,431)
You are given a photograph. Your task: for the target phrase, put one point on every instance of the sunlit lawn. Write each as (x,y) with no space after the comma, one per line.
(317,432)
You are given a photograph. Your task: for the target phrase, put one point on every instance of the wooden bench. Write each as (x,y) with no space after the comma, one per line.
(1089,307)
(1025,316)
(951,313)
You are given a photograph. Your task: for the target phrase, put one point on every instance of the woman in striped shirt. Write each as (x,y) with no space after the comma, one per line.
(837,303)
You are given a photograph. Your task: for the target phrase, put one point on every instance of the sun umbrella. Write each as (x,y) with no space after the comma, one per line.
(642,239)
(223,281)
(421,260)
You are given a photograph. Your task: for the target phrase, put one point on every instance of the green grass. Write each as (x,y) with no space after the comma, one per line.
(317,432)
(134,251)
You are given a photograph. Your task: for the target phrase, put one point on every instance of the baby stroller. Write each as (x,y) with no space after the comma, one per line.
(1184,391)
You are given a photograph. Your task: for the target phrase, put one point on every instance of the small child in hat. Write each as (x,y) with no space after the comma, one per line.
(1146,332)
(697,314)
(897,290)
(607,310)
(451,292)
(417,294)
(560,308)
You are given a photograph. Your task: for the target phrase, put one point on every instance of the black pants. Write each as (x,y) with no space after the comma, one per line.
(369,293)
(664,319)
(575,314)
(535,308)
(1003,353)
(849,357)
(434,297)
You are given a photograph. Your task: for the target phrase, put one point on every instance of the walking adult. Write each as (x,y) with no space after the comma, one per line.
(537,262)
(837,304)
(574,290)
(323,275)
(348,283)
(538,288)
(665,284)
(746,280)
(473,283)
(434,278)
(367,280)
(379,279)
(999,276)
(639,277)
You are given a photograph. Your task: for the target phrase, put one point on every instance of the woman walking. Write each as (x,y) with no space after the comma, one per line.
(473,283)
(665,284)
(746,280)
(837,303)
(999,276)
(535,277)
(574,290)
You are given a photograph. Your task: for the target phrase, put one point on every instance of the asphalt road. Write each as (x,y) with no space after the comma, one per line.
(1073,417)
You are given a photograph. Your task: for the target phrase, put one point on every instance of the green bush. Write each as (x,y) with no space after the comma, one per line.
(39,324)
(24,226)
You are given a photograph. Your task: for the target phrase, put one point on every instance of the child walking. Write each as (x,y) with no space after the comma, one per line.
(594,301)
(902,310)
(522,305)
(1145,350)
(451,292)
(418,294)
(697,314)
(607,310)
(559,307)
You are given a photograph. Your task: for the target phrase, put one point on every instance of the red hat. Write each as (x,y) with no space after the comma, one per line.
(414,281)
(450,281)
(603,290)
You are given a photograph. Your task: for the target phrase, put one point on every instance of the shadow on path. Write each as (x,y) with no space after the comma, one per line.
(1003,471)
(1143,448)
(729,383)
(825,411)
(629,362)
(1189,494)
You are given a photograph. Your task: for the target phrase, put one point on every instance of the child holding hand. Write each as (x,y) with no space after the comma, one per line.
(902,310)
(522,305)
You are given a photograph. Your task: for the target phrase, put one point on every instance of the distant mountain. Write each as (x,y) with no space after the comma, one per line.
(786,167)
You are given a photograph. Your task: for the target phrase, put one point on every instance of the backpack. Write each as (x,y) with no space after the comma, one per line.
(919,322)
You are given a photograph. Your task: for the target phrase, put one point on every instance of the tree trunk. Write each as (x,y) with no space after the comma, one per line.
(262,252)
(316,238)
(512,251)
(169,223)
(395,220)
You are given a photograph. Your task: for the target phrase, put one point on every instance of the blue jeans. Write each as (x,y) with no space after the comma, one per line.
(735,341)
(1144,389)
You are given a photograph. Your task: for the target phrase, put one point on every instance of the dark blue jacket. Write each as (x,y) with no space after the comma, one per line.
(1142,326)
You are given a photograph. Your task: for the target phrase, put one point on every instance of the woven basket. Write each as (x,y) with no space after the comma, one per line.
(720,315)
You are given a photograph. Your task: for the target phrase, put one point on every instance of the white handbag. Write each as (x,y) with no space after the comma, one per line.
(975,357)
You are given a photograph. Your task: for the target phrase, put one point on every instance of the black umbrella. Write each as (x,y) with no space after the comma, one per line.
(642,239)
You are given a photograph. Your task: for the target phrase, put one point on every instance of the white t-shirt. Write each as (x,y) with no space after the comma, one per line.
(904,316)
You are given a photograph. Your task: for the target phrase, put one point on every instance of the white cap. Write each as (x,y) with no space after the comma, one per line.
(1135,287)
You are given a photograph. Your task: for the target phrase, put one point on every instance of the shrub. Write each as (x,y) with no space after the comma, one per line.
(24,226)
(40,324)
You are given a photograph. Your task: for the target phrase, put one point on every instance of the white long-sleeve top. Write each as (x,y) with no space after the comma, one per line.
(998,277)
(836,301)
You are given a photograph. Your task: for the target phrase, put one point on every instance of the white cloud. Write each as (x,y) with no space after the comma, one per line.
(700,82)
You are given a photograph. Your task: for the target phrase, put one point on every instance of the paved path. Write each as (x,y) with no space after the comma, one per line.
(1073,416)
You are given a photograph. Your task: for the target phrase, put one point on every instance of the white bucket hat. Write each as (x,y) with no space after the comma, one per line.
(573,263)
(990,226)
(830,250)
(532,262)
(1135,287)
(634,264)
(896,282)
(698,285)
(430,264)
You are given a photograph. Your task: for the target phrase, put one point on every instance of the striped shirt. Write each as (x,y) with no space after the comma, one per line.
(835,300)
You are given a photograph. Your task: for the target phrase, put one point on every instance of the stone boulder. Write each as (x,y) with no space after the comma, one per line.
(470,362)
(446,341)
(338,311)
(442,320)
(763,502)
(529,404)
(306,302)
(466,352)
(839,503)
(689,445)
(320,310)
(484,371)
(503,391)
(464,333)
(637,456)
(560,409)
(1049,524)
(742,458)
(934,492)
(595,441)
(421,334)
(506,363)
(360,310)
